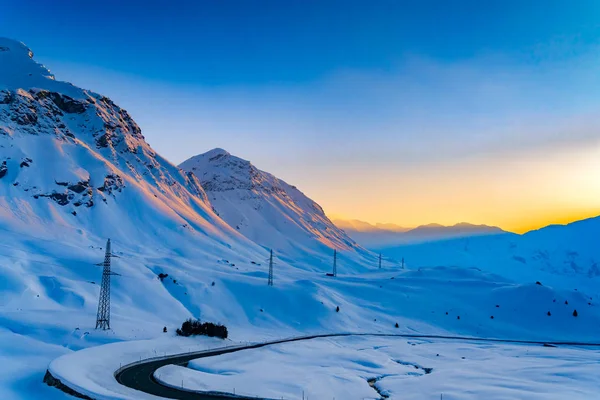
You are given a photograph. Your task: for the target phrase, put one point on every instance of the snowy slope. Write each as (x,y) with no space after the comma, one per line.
(273,213)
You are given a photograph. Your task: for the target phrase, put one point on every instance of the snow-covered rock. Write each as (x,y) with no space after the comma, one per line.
(273,213)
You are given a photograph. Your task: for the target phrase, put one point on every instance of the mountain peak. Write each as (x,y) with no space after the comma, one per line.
(266,209)
(219,170)
(216,152)
(18,69)
(15,47)
(67,151)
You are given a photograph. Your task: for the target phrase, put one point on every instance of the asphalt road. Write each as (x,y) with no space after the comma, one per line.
(141,375)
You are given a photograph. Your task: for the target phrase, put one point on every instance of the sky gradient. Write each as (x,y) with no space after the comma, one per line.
(485,112)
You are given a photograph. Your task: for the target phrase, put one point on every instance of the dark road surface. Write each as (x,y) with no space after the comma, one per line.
(141,375)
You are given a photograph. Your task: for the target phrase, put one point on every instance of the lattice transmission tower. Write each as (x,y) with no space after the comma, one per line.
(103,316)
(270,283)
(334,262)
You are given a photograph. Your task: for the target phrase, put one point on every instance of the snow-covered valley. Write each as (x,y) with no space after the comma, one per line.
(375,368)
(76,170)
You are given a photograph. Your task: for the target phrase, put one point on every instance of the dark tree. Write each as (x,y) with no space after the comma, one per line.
(194,327)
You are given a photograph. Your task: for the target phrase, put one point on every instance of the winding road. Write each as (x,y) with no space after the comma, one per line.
(140,375)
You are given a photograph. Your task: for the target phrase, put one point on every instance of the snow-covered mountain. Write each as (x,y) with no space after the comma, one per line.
(75,169)
(271,212)
(356,225)
(384,235)
(562,255)
(73,161)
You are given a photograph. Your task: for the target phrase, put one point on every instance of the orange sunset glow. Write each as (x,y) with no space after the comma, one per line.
(517,192)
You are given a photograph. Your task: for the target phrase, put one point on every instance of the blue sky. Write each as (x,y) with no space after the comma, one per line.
(350,100)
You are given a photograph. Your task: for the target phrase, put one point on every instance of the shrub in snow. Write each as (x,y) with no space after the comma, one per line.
(549,314)
(538,283)
(566,302)
(458,317)
(162,276)
(165,329)
(337,309)
(193,327)
(397,325)
(574,313)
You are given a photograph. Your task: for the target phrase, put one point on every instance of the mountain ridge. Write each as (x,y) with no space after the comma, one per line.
(74,159)
(266,209)
(380,235)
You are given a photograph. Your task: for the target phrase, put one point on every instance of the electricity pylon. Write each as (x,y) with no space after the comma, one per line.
(270,283)
(103,316)
(334,262)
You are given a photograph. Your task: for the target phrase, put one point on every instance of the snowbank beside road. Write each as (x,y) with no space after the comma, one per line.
(91,371)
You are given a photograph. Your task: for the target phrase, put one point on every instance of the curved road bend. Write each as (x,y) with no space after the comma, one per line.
(141,376)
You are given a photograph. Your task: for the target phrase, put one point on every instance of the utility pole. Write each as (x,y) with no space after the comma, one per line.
(270,283)
(103,316)
(334,262)
(379,260)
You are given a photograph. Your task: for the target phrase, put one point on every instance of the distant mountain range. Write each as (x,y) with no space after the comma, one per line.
(351,225)
(559,255)
(384,235)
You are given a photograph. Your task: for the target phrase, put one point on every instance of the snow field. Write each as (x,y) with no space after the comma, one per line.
(369,367)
